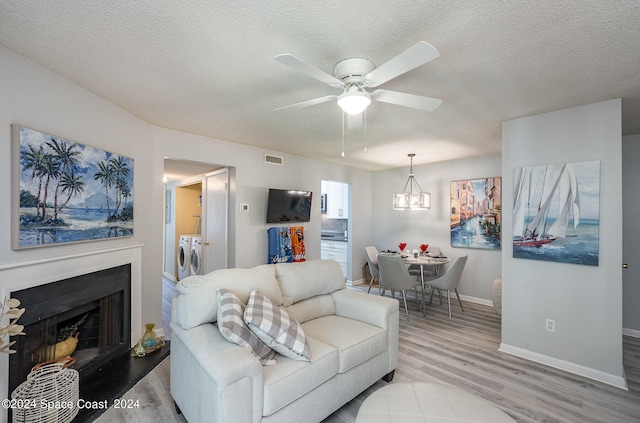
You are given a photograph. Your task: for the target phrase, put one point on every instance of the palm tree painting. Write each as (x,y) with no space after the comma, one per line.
(68,192)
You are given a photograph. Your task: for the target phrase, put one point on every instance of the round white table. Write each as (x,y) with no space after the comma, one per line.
(423,261)
(422,402)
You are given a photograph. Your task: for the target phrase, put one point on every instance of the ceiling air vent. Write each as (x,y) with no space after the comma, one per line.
(271,159)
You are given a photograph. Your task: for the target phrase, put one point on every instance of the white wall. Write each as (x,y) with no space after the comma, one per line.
(391,227)
(254,178)
(584,301)
(37,98)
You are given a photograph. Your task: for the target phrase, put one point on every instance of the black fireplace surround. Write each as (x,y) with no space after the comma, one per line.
(99,303)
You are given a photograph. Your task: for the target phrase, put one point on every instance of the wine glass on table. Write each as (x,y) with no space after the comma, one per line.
(402,246)
(423,248)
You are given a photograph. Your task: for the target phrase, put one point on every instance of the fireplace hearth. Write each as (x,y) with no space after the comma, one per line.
(96,306)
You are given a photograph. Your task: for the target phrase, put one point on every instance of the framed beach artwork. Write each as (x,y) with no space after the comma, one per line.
(476,213)
(556,212)
(65,192)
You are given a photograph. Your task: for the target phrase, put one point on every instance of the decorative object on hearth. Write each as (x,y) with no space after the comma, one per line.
(67,338)
(60,349)
(70,330)
(50,394)
(412,197)
(148,343)
(12,312)
(67,347)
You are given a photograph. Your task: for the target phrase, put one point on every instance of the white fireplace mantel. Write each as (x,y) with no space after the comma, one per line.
(23,275)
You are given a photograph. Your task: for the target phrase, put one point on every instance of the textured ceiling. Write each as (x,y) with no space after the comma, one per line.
(206,67)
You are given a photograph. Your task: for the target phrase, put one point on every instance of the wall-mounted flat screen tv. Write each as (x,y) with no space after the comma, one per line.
(288,206)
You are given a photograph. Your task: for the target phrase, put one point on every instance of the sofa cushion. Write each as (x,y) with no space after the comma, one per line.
(233,328)
(275,327)
(292,379)
(355,341)
(299,281)
(312,308)
(196,303)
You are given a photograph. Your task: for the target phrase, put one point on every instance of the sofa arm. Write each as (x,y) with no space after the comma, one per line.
(372,309)
(212,379)
(379,311)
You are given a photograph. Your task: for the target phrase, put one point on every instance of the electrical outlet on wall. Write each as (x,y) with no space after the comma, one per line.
(551,325)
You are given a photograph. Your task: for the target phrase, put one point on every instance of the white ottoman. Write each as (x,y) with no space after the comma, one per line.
(423,402)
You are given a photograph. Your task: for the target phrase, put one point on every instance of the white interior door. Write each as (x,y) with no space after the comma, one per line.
(631,236)
(215,250)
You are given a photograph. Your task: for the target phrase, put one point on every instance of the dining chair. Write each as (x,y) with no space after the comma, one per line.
(372,260)
(395,276)
(448,281)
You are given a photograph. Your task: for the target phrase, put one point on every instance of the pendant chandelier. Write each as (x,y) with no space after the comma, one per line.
(411,196)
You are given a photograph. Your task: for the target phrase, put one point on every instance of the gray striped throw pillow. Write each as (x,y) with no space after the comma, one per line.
(234,329)
(276,327)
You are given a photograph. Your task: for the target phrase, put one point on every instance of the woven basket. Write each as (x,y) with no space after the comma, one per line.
(49,395)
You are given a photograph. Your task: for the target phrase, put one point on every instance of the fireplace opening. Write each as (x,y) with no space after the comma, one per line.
(93,309)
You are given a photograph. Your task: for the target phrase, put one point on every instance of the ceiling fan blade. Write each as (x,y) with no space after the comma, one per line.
(409,59)
(308,103)
(428,104)
(354,121)
(312,71)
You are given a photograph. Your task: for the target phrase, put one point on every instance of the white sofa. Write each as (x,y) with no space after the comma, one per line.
(353,339)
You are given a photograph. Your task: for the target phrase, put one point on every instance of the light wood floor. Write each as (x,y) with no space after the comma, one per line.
(462,352)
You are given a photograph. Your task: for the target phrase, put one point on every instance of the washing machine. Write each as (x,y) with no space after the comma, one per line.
(184,256)
(195,256)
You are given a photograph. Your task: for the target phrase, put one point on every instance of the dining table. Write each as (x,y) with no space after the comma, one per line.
(424,260)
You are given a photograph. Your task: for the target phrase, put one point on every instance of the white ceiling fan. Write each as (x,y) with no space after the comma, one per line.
(355,76)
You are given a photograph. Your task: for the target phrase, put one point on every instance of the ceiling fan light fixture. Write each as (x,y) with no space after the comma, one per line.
(354,101)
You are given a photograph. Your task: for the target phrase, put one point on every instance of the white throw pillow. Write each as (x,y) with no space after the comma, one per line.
(234,329)
(276,327)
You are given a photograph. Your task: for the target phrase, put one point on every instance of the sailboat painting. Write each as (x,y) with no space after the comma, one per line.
(556,212)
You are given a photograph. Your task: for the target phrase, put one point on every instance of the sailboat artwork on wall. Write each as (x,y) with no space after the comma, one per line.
(556,212)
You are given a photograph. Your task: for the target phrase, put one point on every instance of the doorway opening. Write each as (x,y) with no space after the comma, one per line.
(197,213)
(335,225)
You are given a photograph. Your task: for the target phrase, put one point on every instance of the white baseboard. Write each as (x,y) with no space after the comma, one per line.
(477,300)
(609,379)
(471,299)
(169,277)
(631,332)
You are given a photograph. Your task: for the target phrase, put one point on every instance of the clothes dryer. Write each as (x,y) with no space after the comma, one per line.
(195,257)
(184,256)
